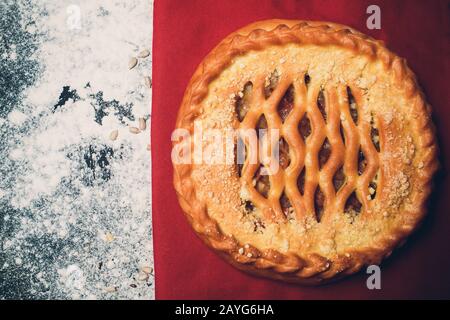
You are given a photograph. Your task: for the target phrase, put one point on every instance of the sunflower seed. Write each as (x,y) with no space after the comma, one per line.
(142,124)
(142,276)
(148,82)
(132,63)
(111,289)
(110,264)
(109,237)
(147,270)
(134,130)
(144,53)
(113,135)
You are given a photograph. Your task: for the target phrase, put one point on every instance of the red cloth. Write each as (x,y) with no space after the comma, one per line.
(184,32)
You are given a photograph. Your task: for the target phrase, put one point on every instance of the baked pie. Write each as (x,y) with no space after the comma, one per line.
(355,150)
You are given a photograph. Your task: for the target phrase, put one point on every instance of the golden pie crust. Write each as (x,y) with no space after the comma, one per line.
(357,155)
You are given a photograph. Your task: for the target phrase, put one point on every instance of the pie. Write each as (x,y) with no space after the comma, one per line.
(356,151)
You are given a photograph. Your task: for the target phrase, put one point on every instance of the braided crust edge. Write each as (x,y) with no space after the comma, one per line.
(311,269)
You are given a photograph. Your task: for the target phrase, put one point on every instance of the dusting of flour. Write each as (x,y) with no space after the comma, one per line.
(75,206)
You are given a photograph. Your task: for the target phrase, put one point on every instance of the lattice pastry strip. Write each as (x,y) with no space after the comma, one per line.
(297,148)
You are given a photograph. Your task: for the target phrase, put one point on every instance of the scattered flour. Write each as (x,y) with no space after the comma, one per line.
(17,118)
(76,205)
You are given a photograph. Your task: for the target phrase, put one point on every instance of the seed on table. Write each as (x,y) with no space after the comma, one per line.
(142,276)
(110,264)
(144,53)
(109,237)
(132,63)
(110,289)
(113,135)
(147,270)
(148,82)
(134,130)
(142,124)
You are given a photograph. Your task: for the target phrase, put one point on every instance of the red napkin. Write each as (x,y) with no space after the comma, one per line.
(184,32)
